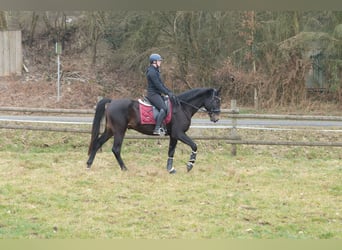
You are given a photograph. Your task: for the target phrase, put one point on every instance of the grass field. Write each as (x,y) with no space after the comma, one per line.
(266,192)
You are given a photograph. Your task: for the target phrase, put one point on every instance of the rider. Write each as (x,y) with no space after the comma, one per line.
(155,89)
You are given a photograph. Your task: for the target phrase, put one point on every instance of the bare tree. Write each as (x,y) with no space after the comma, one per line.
(35,18)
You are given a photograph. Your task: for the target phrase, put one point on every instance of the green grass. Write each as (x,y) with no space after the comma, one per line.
(264,192)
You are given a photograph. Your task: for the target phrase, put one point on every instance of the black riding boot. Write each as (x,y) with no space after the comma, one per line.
(160,118)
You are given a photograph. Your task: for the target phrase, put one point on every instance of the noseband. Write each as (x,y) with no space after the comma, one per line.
(214,98)
(217,99)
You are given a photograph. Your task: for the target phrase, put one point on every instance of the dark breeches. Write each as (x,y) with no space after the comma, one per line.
(157,101)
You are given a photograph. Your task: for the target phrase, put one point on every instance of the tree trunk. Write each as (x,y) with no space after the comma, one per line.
(295,23)
(35,18)
(3,20)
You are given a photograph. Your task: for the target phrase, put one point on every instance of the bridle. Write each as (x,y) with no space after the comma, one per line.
(213,99)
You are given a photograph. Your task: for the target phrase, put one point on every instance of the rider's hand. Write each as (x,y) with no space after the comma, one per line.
(174,99)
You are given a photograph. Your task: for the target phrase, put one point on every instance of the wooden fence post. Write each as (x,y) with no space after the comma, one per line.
(256,99)
(233,133)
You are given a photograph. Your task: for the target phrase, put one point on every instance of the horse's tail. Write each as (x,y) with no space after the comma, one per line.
(99,113)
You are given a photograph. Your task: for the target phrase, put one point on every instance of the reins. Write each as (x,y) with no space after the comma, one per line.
(203,109)
(191,105)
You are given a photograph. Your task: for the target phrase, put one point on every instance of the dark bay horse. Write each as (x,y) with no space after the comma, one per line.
(123,114)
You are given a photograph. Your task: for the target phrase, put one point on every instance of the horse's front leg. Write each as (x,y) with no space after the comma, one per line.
(171,153)
(192,160)
(188,141)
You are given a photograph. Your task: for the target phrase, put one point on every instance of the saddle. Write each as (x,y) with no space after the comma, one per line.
(149,113)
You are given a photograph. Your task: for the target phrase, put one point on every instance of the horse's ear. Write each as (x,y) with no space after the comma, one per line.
(219,90)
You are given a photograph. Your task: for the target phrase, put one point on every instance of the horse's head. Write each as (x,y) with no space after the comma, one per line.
(213,105)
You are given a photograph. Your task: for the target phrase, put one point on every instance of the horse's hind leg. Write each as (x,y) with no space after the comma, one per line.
(96,146)
(118,139)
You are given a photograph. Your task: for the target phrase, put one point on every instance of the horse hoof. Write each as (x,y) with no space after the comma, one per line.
(173,171)
(189,167)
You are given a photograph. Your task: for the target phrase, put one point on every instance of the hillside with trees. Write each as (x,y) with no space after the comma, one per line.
(264,59)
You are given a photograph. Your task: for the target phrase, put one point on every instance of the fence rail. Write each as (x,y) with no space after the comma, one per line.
(232,114)
(47,110)
(287,117)
(227,139)
(233,138)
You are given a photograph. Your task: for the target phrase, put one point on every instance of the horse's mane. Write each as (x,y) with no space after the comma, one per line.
(189,94)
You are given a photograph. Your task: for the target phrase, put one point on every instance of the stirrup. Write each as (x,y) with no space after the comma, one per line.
(159,131)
